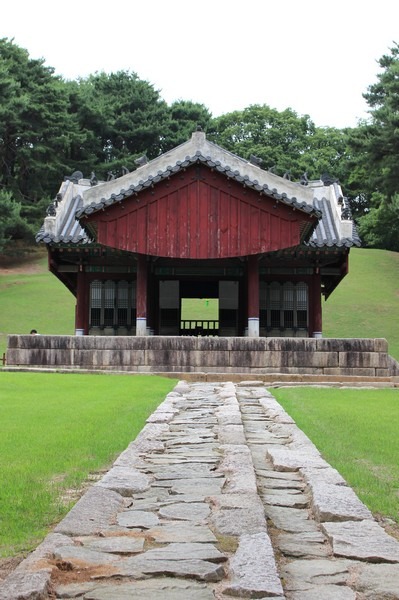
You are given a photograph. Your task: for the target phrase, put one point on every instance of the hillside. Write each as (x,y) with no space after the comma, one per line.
(32,298)
(366,304)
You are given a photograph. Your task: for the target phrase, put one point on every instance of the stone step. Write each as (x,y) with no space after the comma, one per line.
(281,379)
(270,379)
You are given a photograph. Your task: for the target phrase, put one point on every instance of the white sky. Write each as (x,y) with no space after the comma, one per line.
(315,57)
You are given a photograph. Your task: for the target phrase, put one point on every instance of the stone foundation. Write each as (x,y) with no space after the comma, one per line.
(158,354)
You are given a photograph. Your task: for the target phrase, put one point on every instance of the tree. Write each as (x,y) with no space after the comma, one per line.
(380,226)
(12,225)
(286,142)
(184,118)
(35,126)
(374,157)
(381,137)
(277,138)
(121,116)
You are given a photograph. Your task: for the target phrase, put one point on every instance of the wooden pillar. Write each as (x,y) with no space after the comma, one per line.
(82,303)
(253,296)
(316,310)
(141,295)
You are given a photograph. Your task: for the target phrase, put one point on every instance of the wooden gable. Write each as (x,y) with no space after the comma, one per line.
(200,213)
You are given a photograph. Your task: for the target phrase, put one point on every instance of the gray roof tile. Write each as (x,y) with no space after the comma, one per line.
(199,150)
(180,165)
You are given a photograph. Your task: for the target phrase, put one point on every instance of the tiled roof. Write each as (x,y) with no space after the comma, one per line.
(326,233)
(69,230)
(80,199)
(171,170)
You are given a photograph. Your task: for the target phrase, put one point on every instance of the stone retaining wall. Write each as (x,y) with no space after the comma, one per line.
(325,356)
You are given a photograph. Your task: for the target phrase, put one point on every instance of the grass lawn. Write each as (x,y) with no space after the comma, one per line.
(366,302)
(55,430)
(34,299)
(200,308)
(356,430)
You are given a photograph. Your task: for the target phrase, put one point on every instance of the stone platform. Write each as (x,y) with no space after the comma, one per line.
(323,357)
(220,496)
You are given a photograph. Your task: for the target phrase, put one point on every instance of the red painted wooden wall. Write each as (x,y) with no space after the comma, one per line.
(199,213)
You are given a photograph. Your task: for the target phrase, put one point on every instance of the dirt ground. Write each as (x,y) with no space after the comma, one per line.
(28,262)
(7,565)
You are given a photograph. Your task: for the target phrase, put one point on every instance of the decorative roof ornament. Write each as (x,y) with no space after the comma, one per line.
(327,179)
(304,179)
(141,161)
(346,213)
(51,210)
(255,160)
(93,179)
(76,175)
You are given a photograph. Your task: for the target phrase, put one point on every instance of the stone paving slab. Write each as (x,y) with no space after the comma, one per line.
(304,545)
(364,540)
(377,581)
(253,569)
(337,503)
(159,589)
(220,496)
(92,513)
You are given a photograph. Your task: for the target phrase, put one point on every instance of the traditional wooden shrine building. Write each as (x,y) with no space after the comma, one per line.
(199,222)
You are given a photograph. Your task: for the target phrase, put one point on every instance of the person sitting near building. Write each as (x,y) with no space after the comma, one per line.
(33,332)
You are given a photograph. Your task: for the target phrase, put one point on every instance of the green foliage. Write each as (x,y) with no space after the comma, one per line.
(55,431)
(286,142)
(34,120)
(277,138)
(379,228)
(185,117)
(356,432)
(13,226)
(382,141)
(121,117)
(374,175)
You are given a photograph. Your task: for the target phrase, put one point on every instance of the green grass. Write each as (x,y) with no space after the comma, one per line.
(55,430)
(35,301)
(357,432)
(200,308)
(366,303)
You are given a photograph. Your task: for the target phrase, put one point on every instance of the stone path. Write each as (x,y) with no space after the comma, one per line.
(220,496)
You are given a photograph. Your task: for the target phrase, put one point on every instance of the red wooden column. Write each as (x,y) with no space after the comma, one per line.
(82,303)
(316,321)
(141,295)
(253,296)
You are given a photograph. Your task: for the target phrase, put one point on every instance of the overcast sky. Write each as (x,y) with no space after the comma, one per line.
(315,57)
